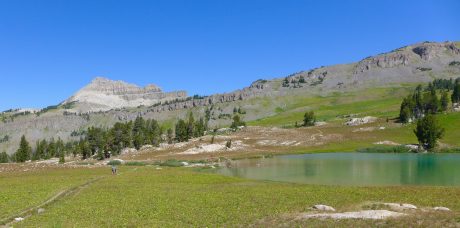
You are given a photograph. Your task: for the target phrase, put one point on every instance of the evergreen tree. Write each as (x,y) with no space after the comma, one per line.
(84,148)
(170,136)
(444,101)
(36,154)
(62,157)
(309,119)
(181,131)
(24,152)
(190,126)
(428,131)
(237,122)
(406,112)
(431,101)
(51,149)
(207,118)
(3,157)
(418,102)
(456,93)
(285,82)
(139,132)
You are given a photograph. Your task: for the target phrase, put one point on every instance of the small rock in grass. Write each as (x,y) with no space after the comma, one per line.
(397,206)
(441,209)
(40,210)
(408,206)
(323,208)
(18,219)
(184,163)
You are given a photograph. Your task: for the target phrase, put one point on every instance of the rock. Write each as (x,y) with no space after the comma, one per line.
(40,210)
(18,219)
(321,207)
(370,214)
(441,209)
(146,147)
(386,142)
(185,163)
(128,150)
(400,207)
(409,206)
(103,94)
(360,121)
(320,123)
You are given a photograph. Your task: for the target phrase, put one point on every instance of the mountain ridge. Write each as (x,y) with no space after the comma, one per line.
(417,63)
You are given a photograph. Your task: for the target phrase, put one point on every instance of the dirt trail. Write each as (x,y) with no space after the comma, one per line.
(8,222)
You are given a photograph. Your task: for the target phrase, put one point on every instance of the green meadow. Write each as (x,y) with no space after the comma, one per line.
(177,197)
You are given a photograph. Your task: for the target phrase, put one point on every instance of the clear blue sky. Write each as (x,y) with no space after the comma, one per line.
(50,49)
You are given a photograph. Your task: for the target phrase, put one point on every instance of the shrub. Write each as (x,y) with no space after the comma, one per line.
(135,163)
(114,162)
(385,149)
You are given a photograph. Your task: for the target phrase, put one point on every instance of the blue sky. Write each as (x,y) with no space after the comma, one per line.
(50,49)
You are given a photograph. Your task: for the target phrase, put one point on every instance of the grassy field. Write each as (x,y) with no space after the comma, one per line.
(25,187)
(178,197)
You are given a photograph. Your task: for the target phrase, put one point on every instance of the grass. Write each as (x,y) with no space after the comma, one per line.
(178,197)
(20,190)
(379,102)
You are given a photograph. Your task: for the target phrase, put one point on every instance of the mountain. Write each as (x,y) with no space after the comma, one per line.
(104,102)
(103,94)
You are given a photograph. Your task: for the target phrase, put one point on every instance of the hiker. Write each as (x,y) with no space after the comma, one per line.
(114,170)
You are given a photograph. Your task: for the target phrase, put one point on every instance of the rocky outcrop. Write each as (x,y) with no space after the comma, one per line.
(103,94)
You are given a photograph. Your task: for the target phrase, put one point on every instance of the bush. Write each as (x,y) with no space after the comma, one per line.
(309,119)
(229,144)
(171,163)
(114,162)
(385,149)
(135,163)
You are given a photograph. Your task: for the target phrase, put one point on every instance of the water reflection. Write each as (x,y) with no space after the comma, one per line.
(353,169)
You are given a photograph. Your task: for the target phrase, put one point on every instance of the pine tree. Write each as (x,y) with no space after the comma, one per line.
(170,136)
(237,122)
(309,119)
(444,101)
(428,131)
(456,94)
(181,131)
(3,157)
(190,126)
(24,152)
(62,157)
(406,113)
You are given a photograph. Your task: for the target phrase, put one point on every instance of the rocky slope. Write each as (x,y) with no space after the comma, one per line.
(103,94)
(104,102)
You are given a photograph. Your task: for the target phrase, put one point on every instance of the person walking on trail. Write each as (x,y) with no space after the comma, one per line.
(114,170)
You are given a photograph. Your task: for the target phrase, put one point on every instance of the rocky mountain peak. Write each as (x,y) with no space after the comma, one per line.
(104,94)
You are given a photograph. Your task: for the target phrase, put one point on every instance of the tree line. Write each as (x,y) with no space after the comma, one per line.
(424,101)
(101,143)
(423,105)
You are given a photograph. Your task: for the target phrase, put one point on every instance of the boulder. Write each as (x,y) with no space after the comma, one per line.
(321,207)
(360,121)
(441,209)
